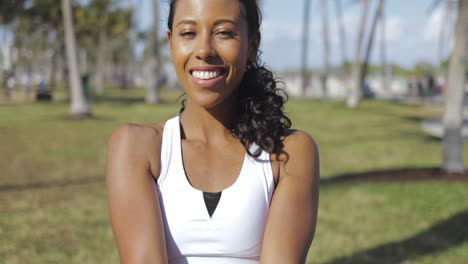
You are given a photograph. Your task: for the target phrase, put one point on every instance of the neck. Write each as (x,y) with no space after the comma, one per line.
(211,126)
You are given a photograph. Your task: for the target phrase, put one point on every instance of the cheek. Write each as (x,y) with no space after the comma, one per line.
(234,53)
(180,54)
(236,56)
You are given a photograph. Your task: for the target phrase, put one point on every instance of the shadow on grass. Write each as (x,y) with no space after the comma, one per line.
(49,184)
(437,238)
(127,100)
(396,175)
(90,117)
(118,100)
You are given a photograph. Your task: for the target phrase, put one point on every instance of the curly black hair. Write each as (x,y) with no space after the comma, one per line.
(260,118)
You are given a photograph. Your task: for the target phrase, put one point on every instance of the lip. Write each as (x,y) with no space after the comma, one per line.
(207,68)
(207,83)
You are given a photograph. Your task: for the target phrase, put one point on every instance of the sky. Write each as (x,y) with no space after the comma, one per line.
(412,31)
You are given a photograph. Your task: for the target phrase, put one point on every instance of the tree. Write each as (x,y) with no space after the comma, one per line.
(452,145)
(119,42)
(39,29)
(79,106)
(154,62)
(342,32)
(370,42)
(8,10)
(383,47)
(326,45)
(305,38)
(354,93)
(102,10)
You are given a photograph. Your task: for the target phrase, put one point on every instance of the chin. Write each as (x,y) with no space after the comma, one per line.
(208,101)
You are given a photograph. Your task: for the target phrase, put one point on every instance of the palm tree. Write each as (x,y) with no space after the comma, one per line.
(8,11)
(354,94)
(326,45)
(305,38)
(370,42)
(453,117)
(342,32)
(383,47)
(119,42)
(102,7)
(79,106)
(48,15)
(442,36)
(154,61)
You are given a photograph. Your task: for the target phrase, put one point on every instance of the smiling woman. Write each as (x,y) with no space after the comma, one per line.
(225,181)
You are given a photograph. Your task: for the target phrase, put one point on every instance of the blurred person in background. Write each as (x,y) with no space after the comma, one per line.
(26,85)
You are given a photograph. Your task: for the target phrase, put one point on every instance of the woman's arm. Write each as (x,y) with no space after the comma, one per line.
(134,208)
(292,217)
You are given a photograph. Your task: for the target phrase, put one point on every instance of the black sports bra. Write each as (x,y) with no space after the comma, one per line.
(211,201)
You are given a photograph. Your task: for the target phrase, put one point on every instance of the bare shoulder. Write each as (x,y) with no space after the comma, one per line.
(136,135)
(300,155)
(299,141)
(136,145)
(293,211)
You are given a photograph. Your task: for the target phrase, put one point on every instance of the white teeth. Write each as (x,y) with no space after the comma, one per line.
(206,75)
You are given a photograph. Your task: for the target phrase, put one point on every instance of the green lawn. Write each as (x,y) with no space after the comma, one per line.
(53,200)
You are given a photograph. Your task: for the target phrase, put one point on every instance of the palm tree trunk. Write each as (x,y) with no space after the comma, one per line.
(102,45)
(154,63)
(442,37)
(305,38)
(3,58)
(342,33)
(354,94)
(55,45)
(370,43)
(101,57)
(383,48)
(326,46)
(453,117)
(79,106)
(53,68)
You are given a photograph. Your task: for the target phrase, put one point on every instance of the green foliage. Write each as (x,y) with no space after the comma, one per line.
(9,9)
(53,199)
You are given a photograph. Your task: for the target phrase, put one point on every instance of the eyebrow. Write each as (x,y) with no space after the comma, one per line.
(186,21)
(217,22)
(222,21)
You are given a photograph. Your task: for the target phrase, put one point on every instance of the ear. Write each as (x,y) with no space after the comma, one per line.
(254,46)
(169,41)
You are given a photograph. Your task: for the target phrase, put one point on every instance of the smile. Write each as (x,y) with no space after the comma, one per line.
(206,75)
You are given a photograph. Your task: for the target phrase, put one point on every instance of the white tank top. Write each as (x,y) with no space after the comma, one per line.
(234,233)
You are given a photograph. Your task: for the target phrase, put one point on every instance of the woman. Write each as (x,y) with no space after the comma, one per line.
(226,181)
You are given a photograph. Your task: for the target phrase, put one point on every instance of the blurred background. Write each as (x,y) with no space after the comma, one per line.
(380,85)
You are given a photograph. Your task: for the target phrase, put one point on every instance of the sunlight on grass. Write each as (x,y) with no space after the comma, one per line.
(53,206)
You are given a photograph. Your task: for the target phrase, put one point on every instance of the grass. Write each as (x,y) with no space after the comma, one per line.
(53,201)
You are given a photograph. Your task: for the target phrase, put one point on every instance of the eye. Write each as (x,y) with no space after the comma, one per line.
(187,34)
(226,34)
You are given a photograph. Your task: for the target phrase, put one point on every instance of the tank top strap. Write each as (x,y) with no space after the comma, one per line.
(263,163)
(169,147)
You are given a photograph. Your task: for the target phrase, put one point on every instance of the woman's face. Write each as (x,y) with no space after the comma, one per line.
(209,47)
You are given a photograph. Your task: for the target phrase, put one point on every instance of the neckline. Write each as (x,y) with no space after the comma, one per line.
(178,145)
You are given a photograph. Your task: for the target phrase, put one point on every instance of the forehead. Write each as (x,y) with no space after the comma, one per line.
(209,9)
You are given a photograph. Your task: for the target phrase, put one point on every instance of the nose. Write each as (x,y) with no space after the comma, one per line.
(204,49)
